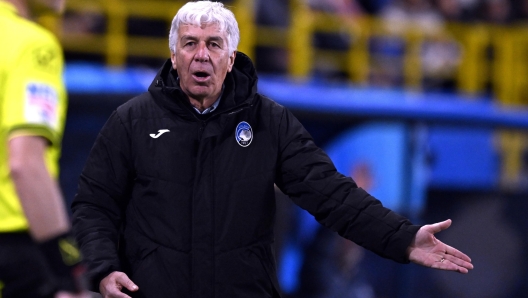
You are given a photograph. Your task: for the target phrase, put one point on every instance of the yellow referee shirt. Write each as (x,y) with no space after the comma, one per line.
(32,100)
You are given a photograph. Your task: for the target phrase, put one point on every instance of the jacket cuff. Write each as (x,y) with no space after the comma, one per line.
(402,241)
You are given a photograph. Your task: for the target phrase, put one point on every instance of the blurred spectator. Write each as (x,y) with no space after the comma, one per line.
(457,10)
(331,266)
(451,10)
(520,10)
(83,23)
(341,7)
(469,5)
(346,11)
(404,15)
(388,50)
(373,7)
(80,24)
(272,13)
(496,11)
(331,269)
(440,54)
(441,57)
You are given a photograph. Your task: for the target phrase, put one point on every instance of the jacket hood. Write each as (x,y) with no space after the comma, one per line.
(240,87)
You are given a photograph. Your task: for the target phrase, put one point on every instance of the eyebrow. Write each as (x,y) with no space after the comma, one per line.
(216,38)
(193,37)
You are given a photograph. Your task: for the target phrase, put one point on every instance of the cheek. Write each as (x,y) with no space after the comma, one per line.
(224,66)
(180,63)
(221,72)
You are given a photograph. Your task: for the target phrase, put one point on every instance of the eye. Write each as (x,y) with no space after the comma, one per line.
(215,45)
(189,44)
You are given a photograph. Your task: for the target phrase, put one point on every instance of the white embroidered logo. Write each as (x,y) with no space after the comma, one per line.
(160,132)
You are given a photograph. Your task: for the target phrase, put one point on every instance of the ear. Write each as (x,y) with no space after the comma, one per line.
(231,61)
(173,59)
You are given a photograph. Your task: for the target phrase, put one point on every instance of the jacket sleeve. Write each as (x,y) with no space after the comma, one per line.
(98,207)
(309,177)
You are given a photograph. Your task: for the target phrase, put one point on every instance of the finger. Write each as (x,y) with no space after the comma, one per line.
(464,265)
(457,253)
(457,257)
(111,286)
(123,280)
(439,226)
(446,263)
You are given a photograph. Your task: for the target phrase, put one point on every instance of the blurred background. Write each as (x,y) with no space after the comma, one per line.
(423,102)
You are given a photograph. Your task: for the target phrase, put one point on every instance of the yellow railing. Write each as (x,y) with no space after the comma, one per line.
(116,44)
(504,73)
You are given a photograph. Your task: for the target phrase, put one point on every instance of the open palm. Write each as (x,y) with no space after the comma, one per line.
(427,250)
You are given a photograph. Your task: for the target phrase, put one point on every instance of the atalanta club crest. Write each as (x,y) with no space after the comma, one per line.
(244,134)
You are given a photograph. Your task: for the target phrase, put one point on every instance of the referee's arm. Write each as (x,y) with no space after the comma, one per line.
(38,192)
(41,199)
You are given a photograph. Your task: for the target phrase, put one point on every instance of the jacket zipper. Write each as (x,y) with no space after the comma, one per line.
(202,128)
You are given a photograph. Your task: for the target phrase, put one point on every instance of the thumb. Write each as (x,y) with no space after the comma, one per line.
(127,283)
(439,226)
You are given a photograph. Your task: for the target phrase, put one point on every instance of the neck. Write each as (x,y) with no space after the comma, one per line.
(31,9)
(203,104)
(22,8)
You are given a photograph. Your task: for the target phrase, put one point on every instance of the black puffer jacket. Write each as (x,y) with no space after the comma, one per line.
(189,212)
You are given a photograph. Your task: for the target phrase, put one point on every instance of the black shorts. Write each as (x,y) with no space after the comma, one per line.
(23,269)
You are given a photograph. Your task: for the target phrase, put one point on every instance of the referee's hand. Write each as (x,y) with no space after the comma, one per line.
(111,285)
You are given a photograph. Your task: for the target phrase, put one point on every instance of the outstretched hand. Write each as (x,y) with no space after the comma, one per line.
(428,251)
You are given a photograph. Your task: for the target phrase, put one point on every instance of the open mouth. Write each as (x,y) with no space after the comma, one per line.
(201,74)
(201,77)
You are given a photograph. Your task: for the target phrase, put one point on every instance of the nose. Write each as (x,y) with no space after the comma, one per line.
(202,53)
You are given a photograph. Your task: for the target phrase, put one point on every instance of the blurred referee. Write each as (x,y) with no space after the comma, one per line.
(38,258)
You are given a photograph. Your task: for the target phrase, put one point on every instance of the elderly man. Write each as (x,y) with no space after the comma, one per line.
(177,196)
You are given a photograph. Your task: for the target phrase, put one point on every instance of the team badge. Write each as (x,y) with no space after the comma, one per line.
(244,134)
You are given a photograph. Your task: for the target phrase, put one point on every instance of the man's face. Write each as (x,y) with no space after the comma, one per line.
(202,60)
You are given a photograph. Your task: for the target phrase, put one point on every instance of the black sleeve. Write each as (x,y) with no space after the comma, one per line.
(308,176)
(98,206)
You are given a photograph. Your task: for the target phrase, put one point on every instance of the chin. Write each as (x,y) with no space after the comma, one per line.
(201,92)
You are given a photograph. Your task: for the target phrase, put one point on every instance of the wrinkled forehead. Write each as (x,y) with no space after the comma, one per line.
(202,30)
(203,25)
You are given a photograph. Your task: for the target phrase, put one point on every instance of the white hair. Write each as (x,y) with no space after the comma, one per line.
(206,12)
